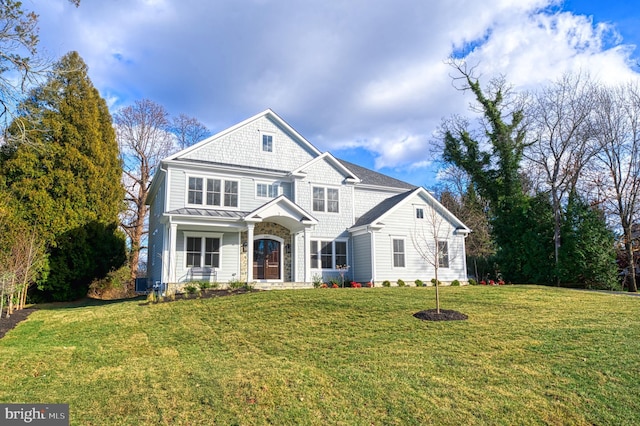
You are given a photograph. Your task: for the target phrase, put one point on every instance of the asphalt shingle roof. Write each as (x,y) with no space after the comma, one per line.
(369,177)
(373,214)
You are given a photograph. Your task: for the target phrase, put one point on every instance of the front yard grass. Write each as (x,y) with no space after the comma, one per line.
(526,355)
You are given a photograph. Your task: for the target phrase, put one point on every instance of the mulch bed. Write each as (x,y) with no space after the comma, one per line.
(444,315)
(7,324)
(207,294)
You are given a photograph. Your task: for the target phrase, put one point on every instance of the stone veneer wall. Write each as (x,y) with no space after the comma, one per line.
(268,228)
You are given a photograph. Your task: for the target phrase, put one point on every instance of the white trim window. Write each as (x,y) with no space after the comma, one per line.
(195,191)
(201,251)
(328,254)
(398,252)
(443,254)
(326,199)
(212,194)
(267,142)
(267,190)
(419,213)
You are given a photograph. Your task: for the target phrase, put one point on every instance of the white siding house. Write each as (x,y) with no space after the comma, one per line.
(258,203)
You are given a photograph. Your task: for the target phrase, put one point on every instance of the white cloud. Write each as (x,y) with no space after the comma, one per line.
(344,74)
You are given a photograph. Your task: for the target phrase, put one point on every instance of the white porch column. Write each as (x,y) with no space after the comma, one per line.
(307,256)
(173,241)
(250,252)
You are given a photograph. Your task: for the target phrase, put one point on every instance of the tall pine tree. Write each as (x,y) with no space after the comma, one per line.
(68,177)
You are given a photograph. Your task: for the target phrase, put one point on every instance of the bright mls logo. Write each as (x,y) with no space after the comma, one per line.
(35,414)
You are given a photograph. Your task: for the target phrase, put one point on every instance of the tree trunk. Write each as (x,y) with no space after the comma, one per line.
(633,288)
(437,284)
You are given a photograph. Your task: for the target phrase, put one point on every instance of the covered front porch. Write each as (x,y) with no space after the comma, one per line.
(270,253)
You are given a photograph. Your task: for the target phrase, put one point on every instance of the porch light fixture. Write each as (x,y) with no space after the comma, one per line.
(244,247)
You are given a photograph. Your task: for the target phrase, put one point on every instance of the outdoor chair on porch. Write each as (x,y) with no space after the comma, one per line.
(203,274)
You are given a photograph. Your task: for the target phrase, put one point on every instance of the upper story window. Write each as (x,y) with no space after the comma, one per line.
(326,199)
(267,143)
(266,190)
(419,213)
(195,191)
(212,192)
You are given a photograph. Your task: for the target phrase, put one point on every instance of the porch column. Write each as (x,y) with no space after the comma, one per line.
(250,252)
(173,236)
(307,256)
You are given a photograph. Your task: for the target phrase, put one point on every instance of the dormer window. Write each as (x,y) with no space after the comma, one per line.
(267,143)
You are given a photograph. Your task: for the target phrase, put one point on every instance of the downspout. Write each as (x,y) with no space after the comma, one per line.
(373,255)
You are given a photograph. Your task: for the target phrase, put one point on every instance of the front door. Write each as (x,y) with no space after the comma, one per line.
(266,259)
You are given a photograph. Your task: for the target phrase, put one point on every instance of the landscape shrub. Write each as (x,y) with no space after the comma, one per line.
(386,283)
(190,289)
(235,284)
(472,281)
(112,286)
(400,283)
(317,280)
(419,283)
(455,283)
(204,285)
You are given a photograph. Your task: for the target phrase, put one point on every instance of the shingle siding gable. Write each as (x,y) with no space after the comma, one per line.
(243,147)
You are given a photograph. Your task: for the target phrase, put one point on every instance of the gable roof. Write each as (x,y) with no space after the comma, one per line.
(350,176)
(266,113)
(369,177)
(376,215)
(283,211)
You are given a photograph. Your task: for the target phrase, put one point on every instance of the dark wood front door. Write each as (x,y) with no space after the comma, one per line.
(266,259)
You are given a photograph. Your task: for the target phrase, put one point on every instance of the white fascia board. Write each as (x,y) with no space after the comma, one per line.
(265,113)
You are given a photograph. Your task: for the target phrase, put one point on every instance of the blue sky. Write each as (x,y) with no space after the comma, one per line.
(364,80)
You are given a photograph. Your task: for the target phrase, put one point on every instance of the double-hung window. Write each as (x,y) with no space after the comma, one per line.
(195,191)
(326,199)
(212,192)
(230,193)
(328,254)
(202,252)
(398,253)
(443,254)
(267,143)
(267,190)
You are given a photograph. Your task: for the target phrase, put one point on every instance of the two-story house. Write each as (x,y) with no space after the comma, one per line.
(259,203)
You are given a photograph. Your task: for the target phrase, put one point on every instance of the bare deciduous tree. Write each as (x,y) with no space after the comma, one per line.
(561,141)
(617,131)
(188,130)
(144,137)
(430,238)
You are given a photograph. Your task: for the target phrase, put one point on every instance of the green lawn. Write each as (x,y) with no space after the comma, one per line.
(526,355)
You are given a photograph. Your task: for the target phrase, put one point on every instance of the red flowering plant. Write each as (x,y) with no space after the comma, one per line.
(369,284)
(483,282)
(355,285)
(334,285)
(324,285)
(492,282)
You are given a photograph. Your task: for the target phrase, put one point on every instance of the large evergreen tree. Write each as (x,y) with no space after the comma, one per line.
(492,161)
(587,255)
(68,177)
